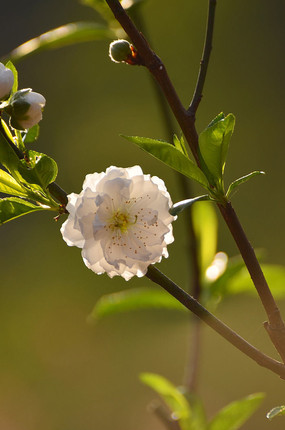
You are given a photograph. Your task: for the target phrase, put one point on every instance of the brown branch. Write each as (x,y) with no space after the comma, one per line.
(275,327)
(198,93)
(194,306)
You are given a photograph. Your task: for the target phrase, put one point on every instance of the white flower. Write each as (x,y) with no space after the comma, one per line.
(6,82)
(25,109)
(121,221)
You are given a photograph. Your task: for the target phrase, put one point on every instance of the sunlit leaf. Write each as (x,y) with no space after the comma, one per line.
(206,230)
(241,282)
(276,412)
(174,399)
(180,144)
(13,207)
(8,185)
(69,34)
(213,148)
(235,184)
(171,156)
(9,159)
(134,299)
(235,414)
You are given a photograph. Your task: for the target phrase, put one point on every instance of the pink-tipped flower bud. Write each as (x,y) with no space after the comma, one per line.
(6,82)
(25,109)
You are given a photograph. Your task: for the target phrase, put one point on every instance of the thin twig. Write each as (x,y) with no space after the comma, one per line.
(198,93)
(194,306)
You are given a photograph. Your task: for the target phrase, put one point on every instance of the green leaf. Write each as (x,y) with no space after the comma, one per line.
(32,134)
(8,185)
(180,144)
(69,34)
(8,158)
(235,414)
(11,66)
(13,207)
(235,184)
(213,148)
(276,412)
(206,229)
(171,156)
(180,206)
(242,283)
(132,300)
(40,170)
(174,399)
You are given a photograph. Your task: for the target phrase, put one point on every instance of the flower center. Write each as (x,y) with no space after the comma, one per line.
(120,220)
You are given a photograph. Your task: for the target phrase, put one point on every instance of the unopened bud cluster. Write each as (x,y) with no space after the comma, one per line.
(24,106)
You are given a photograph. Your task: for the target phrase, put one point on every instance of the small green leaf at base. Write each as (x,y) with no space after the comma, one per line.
(132,300)
(174,399)
(13,207)
(276,412)
(13,69)
(235,184)
(40,169)
(32,134)
(171,156)
(236,413)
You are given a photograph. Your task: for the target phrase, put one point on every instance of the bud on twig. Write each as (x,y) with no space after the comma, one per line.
(25,109)
(121,51)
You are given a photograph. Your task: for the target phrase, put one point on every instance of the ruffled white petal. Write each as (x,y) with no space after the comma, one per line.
(121,221)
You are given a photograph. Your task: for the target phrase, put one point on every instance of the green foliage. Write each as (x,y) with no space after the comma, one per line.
(180,144)
(235,184)
(234,415)
(8,185)
(68,34)
(276,412)
(171,156)
(213,149)
(174,399)
(32,134)
(134,299)
(11,66)
(39,169)
(206,229)
(13,207)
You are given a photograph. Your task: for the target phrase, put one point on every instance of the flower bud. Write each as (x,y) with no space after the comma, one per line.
(25,109)
(6,82)
(121,51)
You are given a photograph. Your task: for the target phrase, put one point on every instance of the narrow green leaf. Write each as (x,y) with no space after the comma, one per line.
(9,159)
(180,206)
(13,207)
(276,412)
(235,184)
(242,283)
(206,230)
(132,300)
(180,144)
(8,185)
(11,66)
(69,34)
(213,147)
(174,399)
(235,414)
(40,170)
(171,156)
(32,134)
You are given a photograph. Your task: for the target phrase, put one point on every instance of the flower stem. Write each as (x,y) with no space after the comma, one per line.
(194,306)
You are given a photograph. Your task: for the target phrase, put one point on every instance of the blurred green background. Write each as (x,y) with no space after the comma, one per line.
(57,371)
